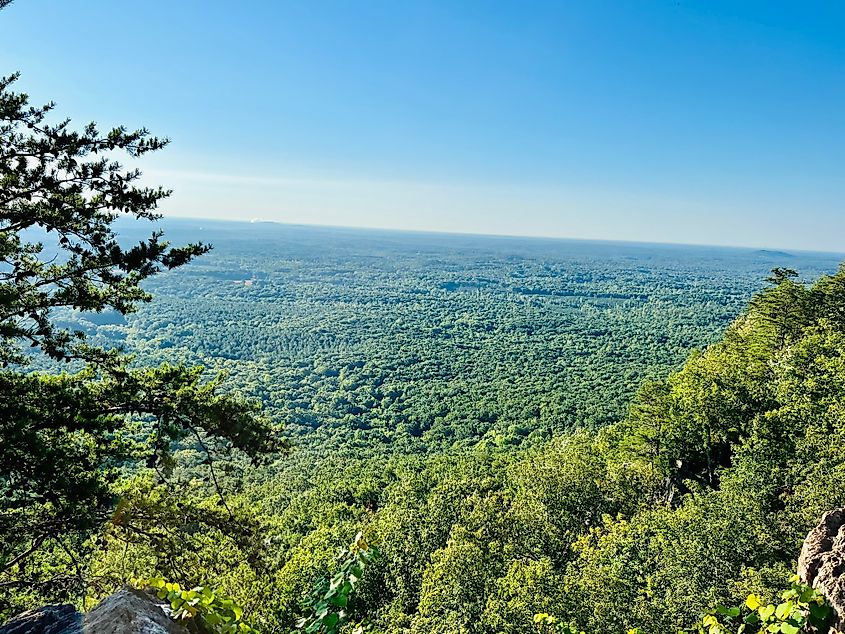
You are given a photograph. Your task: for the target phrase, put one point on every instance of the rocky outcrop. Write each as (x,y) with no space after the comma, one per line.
(127,611)
(822,562)
(130,611)
(51,619)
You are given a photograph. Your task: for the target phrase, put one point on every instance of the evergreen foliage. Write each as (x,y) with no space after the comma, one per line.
(68,438)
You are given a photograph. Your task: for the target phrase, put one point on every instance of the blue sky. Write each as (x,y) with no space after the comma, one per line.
(703,122)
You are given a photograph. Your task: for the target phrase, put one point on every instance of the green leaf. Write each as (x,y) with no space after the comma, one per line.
(784,610)
(752,619)
(330,621)
(807,594)
(753,602)
(819,613)
(724,611)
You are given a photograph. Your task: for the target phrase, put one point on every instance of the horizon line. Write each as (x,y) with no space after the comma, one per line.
(255,221)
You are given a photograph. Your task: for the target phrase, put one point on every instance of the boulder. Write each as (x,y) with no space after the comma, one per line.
(133,612)
(822,562)
(127,611)
(51,619)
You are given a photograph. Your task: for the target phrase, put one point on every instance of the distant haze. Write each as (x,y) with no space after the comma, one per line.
(693,122)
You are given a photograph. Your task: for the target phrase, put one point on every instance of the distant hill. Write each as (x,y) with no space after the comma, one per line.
(774,254)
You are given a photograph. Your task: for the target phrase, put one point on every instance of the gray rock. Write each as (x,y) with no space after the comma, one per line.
(51,619)
(127,611)
(822,562)
(130,611)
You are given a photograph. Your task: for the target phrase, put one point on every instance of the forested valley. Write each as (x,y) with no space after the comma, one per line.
(609,433)
(367,342)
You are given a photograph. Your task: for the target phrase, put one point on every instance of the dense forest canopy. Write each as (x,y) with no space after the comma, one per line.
(371,341)
(500,417)
(700,494)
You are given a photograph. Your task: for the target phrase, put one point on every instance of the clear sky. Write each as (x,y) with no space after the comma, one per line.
(704,122)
